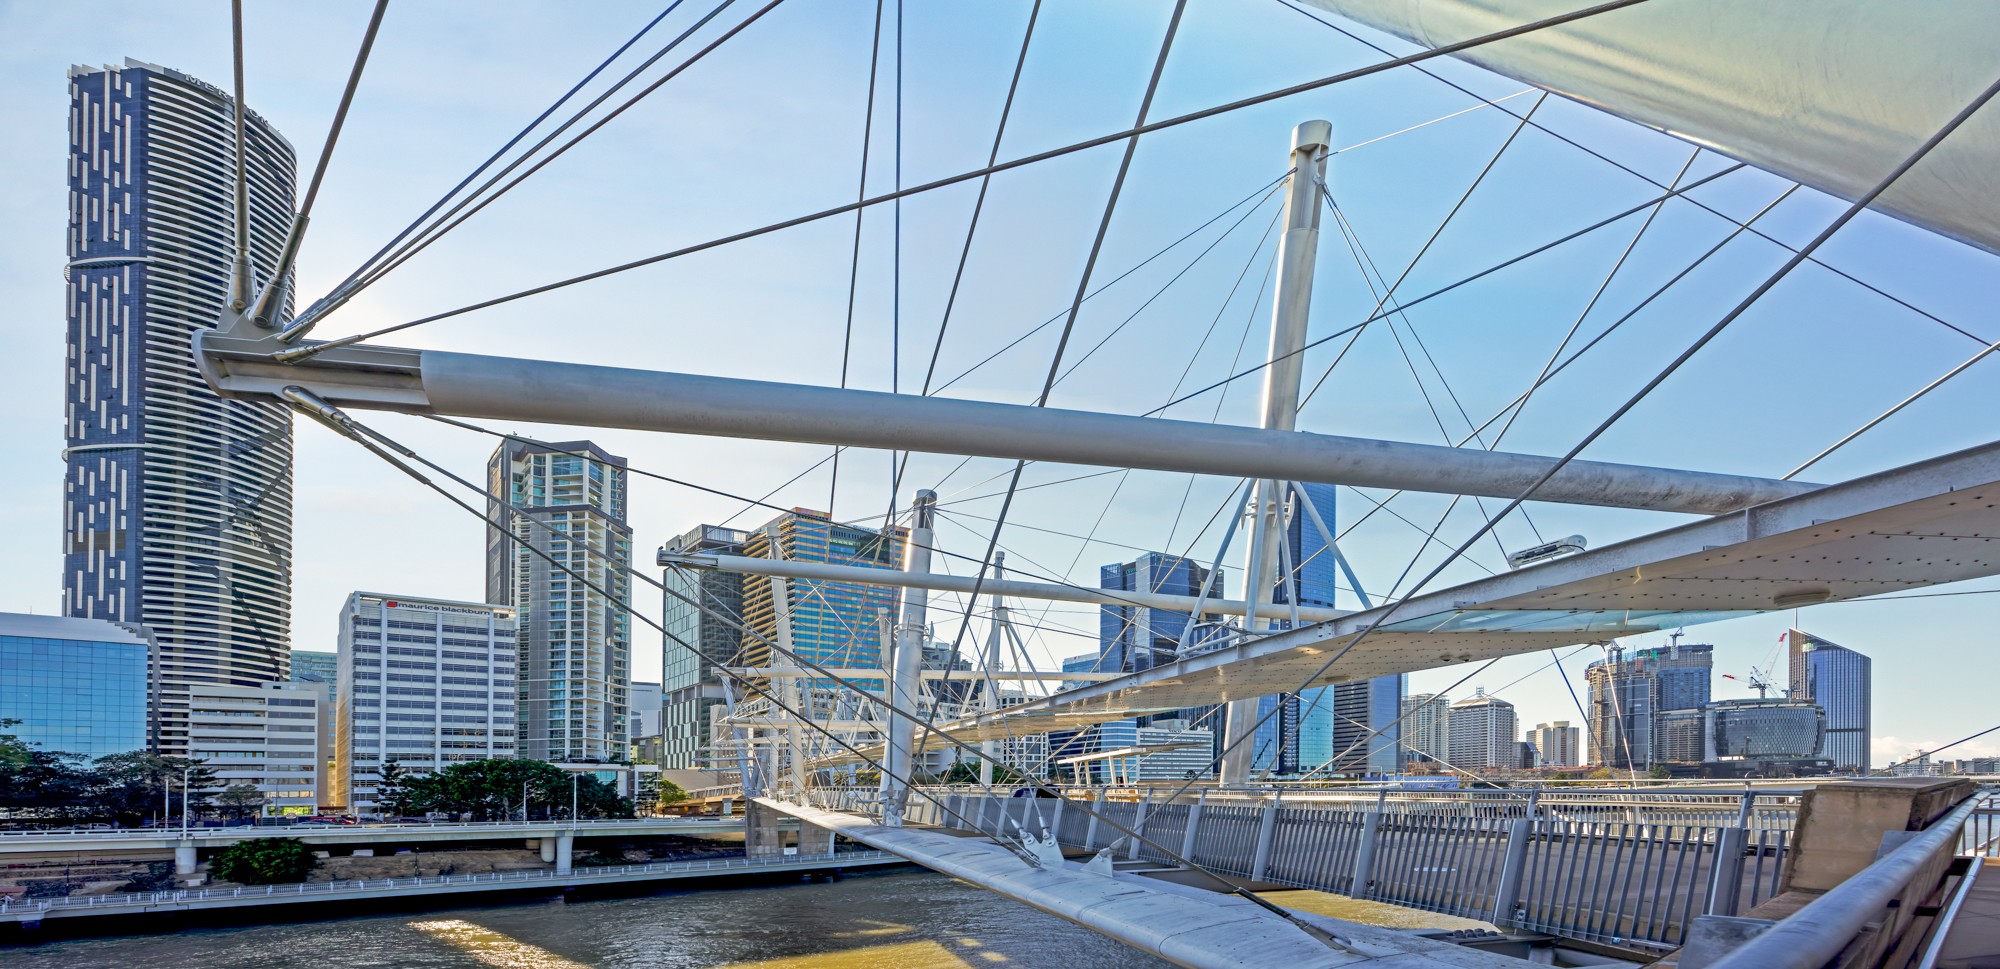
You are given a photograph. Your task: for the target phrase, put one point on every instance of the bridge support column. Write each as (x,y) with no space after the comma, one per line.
(185,859)
(1508,897)
(815,842)
(1267,830)
(565,852)
(762,837)
(1055,818)
(1362,884)
(1090,830)
(548,847)
(1726,881)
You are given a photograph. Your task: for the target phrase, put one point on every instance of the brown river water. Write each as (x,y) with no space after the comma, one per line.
(891,920)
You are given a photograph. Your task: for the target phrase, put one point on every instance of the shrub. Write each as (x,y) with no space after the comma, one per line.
(264,861)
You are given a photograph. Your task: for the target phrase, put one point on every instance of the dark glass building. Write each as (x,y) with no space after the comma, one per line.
(1840,681)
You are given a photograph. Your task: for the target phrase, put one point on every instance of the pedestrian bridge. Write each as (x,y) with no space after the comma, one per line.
(1651,875)
(161,839)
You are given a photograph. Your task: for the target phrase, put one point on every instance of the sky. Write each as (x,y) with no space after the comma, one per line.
(770,126)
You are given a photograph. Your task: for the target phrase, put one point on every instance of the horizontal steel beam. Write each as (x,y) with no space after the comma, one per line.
(506,388)
(973,676)
(1010,588)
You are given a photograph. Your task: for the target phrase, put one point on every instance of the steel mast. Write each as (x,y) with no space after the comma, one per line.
(1290,309)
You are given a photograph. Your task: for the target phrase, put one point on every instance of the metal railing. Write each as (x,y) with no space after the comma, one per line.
(1880,901)
(414,882)
(1981,835)
(1545,867)
(288,830)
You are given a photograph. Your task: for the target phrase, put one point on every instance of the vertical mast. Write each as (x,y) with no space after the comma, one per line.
(906,666)
(1289,311)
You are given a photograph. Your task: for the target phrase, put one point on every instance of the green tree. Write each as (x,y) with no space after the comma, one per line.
(136,785)
(40,783)
(264,861)
(1659,772)
(392,791)
(240,800)
(669,794)
(486,789)
(1601,774)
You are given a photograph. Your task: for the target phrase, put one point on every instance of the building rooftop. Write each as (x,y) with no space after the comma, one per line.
(66,627)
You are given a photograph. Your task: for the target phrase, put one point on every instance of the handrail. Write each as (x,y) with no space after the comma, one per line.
(174,833)
(419,881)
(1814,935)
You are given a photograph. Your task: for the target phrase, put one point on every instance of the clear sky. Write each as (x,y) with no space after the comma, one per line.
(770,126)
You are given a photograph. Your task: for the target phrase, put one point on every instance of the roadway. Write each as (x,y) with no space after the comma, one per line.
(162,839)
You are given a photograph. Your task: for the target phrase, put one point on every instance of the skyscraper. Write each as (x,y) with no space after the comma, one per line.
(1483,734)
(77,686)
(322,669)
(1841,682)
(576,641)
(1632,690)
(697,645)
(834,624)
(1350,728)
(1428,728)
(177,503)
(1135,638)
(1557,744)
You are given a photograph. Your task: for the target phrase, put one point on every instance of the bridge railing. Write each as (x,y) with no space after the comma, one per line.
(1633,883)
(288,830)
(499,879)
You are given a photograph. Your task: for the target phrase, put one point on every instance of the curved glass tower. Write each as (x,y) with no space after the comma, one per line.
(177,503)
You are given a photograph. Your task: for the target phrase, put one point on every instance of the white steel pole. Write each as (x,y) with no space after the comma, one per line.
(906,666)
(1291,307)
(994,631)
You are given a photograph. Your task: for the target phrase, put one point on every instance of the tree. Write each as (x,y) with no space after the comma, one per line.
(240,800)
(264,861)
(1601,774)
(40,783)
(669,794)
(486,789)
(392,791)
(1659,772)
(135,785)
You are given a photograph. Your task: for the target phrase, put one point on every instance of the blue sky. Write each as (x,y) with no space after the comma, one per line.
(769,127)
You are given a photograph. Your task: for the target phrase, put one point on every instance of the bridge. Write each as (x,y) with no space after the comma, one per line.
(1863,873)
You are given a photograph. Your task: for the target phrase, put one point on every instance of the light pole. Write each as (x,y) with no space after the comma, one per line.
(184,800)
(572,798)
(524,802)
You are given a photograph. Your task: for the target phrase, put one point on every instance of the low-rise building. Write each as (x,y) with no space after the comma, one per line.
(266,736)
(78,686)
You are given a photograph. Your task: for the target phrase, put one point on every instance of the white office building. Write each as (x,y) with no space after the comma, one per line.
(423,682)
(266,736)
(1483,734)
(1557,744)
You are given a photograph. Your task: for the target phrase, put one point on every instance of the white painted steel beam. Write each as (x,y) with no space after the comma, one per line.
(506,388)
(1014,588)
(1830,93)
(1925,524)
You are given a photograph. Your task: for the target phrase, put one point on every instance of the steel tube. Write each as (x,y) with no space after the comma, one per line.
(939,582)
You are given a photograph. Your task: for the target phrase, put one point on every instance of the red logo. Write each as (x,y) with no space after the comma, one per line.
(392,603)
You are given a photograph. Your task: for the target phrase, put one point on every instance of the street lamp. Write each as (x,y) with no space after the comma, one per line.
(572,798)
(184,799)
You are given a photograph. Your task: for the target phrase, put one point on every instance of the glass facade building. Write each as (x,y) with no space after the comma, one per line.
(1840,681)
(835,624)
(569,501)
(1763,729)
(78,686)
(177,504)
(696,645)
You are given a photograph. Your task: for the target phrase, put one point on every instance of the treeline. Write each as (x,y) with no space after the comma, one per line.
(498,790)
(125,789)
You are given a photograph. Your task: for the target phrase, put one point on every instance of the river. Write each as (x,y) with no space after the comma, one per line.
(891,920)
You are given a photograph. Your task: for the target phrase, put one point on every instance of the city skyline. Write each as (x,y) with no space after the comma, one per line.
(365,490)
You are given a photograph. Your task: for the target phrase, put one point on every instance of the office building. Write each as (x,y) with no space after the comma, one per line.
(323,671)
(1428,728)
(1135,638)
(700,639)
(1126,752)
(1557,744)
(177,504)
(266,736)
(568,501)
(645,703)
(1483,734)
(1678,736)
(833,624)
(423,682)
(1354,729)
(1840,681)
(1085,663)
(77,686)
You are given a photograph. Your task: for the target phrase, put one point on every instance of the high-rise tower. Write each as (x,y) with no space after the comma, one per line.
(575,641)
(177,503)
(1840,681)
